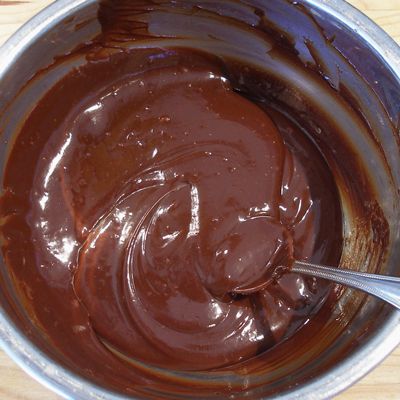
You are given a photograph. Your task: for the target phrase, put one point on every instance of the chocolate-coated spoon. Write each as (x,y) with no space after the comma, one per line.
(384,287)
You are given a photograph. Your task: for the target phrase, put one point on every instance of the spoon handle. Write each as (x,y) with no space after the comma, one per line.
(384,287)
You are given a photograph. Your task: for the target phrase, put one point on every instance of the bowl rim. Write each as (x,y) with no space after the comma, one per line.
(70,385)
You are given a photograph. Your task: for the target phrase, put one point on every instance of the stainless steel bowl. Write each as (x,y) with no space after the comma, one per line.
(374,329)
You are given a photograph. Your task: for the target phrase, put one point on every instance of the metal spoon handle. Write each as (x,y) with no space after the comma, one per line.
(384,287)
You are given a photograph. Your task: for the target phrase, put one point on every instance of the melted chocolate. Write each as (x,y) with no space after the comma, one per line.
(162,191)
(161,181)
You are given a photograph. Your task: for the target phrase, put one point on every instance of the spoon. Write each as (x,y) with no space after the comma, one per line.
(384,287)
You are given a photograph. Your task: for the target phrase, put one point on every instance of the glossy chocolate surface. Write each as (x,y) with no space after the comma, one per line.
(162,178)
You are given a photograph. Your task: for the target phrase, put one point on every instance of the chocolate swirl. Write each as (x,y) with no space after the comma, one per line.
(183,192)
(163,180)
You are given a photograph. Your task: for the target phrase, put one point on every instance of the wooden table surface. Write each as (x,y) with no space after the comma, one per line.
(381,384)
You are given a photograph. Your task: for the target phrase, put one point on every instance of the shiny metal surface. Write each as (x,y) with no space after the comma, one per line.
(31,46)
(384,287)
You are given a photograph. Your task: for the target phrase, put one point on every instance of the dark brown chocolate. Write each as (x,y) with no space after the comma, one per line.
(161,180)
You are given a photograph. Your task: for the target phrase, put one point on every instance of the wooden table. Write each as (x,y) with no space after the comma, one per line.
(381,384)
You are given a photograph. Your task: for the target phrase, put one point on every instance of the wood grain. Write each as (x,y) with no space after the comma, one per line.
(381,384)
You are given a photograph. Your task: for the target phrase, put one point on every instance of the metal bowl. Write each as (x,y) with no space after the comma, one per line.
(373,330)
